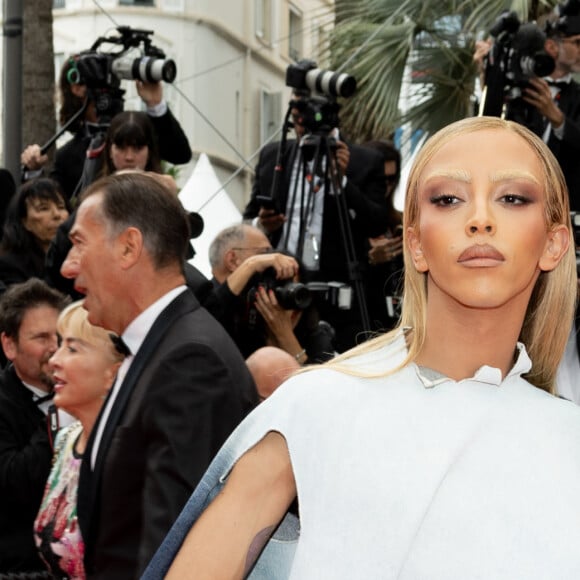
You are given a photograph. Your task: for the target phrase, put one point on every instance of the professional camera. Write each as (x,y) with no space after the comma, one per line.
(317,90)
(290,295)
(102,72)
(517,55)
(136,59)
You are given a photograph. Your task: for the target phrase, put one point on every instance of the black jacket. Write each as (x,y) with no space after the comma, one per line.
(186,390)
(70,158)
(364,195)
(25,458)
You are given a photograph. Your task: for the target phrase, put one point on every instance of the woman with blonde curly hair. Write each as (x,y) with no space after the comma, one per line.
(433,451)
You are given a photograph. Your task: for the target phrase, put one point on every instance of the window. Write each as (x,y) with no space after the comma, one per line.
(59,3)
(173,5)
(137,2)
(295,34)
(270,114)
(263,13)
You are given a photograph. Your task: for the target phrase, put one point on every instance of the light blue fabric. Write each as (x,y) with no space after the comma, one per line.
(275,561)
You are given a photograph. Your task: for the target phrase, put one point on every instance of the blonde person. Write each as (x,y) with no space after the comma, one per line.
(84,367)
(438,450)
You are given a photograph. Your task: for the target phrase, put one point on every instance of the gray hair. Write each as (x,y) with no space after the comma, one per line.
(225,240)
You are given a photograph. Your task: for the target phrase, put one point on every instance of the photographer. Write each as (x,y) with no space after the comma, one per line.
(310,225)
(70,158)
(245,299)
(554,100)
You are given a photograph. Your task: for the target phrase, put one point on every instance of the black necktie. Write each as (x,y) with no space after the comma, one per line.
(559,84)
(39,400)
(120,345)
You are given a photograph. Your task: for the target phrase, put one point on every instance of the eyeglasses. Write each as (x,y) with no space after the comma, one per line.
(256,250)
(575,41)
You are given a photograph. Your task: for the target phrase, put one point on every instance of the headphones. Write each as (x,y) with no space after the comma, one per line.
(73,75)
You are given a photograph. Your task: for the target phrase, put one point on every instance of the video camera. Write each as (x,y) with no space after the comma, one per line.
(516,55)
(102,72)
(317,90)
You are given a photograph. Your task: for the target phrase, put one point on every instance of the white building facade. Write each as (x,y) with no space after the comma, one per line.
(231,57)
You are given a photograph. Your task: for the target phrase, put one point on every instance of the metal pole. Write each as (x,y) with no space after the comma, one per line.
(12,86)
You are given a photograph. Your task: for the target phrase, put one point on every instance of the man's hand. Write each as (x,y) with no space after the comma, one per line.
(269,220)
(286,268)
(342,156)
(32,158)
(151,93)
(385,249)
(538,94)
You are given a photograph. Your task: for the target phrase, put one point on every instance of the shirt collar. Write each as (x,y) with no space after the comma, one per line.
(137,330)
(485,374)
(566,79)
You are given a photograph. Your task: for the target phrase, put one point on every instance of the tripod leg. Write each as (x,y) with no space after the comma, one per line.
(332,178)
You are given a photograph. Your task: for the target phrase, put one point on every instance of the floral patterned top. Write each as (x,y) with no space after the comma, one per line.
(56,529)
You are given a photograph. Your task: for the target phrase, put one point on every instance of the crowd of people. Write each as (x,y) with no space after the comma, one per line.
(155,423)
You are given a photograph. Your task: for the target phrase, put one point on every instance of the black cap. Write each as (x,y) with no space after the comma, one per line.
(567,22)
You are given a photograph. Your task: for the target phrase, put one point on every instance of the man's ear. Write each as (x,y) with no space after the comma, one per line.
(552,48)
(231,260)
(8,346)
(556,246)
(414,245)
(130,246)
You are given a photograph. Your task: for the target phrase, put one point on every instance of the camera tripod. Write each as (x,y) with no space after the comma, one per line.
(316,160)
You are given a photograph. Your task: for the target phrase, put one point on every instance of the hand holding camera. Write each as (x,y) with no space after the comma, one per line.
(270,220)
(385,249)
(283,268)
(537,93)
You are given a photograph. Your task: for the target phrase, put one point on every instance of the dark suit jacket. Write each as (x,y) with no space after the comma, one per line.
(364,195)
(186,390)
(25,457)
(16,268)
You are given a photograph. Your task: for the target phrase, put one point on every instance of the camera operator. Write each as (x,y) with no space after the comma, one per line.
(362,178)
(244,302)
(70,158)
(555,99)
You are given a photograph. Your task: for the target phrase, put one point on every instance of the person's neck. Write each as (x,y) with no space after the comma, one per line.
(460,340)
(87,418)
(558,73)
(142,295)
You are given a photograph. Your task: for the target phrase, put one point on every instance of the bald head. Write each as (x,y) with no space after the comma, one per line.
(270,367)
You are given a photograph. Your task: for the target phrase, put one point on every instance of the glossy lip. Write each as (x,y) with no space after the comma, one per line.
(58,383)
(481,256)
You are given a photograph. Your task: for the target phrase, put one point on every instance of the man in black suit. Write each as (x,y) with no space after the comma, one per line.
(320,245)
(181,390)
(28,314)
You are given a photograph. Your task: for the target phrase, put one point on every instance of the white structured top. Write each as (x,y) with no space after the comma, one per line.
(412,478)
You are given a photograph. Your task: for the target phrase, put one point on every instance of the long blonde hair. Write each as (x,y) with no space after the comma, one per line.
(550,312)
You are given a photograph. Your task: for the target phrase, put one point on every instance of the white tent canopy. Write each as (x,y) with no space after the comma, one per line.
(203,194)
